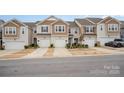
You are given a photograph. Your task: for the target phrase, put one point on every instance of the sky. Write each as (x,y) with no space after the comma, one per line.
(34,18)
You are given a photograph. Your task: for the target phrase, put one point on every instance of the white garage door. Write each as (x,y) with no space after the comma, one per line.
(60,43)
(104,40)
(44,43)
(90,42)
(14,45)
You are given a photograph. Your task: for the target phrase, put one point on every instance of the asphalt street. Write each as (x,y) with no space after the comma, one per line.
(94,66)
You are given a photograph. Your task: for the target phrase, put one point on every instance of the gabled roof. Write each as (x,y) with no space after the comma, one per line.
(2,22)
(107,19)
(60,20)
(30,24)
(51,19)
(94,20)
(84,22)
(72,24)
(16,22)
(37,22)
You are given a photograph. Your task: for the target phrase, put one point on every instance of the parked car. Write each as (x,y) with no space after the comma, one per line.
(109,43)
(116,43)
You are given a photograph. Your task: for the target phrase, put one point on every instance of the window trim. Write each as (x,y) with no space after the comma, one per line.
(57,28)
(101,27)
(113,27)
(23,30)
(88,29)
(42,31)
(7,31)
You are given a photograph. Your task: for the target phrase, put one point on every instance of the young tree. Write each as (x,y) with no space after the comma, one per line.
(81,38)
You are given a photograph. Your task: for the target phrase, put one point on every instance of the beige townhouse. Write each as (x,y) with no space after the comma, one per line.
(74,33)
(108,30)
(52,30)
(16,34)
(88,28)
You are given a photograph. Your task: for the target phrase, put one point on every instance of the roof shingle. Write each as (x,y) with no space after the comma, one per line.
(84,22)
(95,20)
(72,24)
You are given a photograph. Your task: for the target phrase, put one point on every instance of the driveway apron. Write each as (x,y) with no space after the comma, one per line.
(38,53)
(7,52)
(61,52)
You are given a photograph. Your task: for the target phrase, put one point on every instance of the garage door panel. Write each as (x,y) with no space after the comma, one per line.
(60,43)
(44,43)
(14,45)
(89,41)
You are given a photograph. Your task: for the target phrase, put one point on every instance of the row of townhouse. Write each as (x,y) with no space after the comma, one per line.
(16,34)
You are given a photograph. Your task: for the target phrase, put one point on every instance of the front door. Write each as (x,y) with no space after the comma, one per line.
(70,40)
(0,43)
(35,41)
(76,40)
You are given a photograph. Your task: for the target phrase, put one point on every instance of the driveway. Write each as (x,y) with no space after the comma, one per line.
(17,54)
(58,52)
(38,53)
(111,50)
(61,52)
(7,52)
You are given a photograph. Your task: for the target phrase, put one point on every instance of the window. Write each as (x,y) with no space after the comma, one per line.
(101,27)
(76,32)
(44,28)
(6,30)
(69,31)
(23,30)
(10,30)
(14,31)
(89,29)
(112,27)
(60,28)
(35,31)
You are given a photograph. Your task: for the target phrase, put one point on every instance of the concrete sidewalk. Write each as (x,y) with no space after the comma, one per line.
(38,53)
(61,52)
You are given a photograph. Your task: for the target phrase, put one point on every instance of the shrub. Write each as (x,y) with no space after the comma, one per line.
(51,46)
(31,46)
(68,45)
(86,46)
(2,48)
(36,46)
(26,47)
(97,44)
(77,45)
(82,46)
(74,45)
